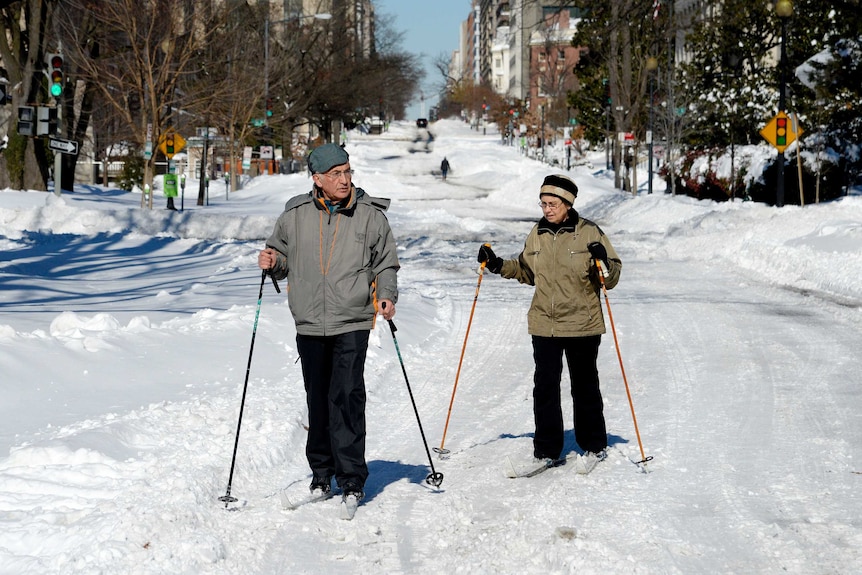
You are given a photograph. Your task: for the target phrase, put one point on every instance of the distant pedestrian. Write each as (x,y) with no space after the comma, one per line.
(565,316)
(335,247)
(444,167)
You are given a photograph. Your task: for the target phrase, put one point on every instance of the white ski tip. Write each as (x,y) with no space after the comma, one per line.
(348,507)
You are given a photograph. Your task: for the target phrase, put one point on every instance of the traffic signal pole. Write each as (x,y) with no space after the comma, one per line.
(782,104)
(56,81)
(58,157)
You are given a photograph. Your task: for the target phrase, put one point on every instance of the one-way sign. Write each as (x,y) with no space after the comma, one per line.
(64,146)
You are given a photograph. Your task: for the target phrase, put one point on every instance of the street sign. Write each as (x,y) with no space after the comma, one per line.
(170,143)
(781,131)
(246,157)
(63,146)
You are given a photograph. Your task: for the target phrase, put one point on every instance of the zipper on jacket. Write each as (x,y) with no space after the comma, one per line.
(554,291)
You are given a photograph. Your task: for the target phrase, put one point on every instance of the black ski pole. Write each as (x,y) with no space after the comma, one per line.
(433,478)
(226,498)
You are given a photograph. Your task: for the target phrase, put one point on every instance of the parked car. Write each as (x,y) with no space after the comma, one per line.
(422,123)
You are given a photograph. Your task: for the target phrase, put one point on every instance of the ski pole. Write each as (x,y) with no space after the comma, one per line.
(226,498)
(440,450)
(602,273)
(433,478)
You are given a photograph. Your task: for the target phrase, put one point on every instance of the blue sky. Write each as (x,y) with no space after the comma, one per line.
(430,29)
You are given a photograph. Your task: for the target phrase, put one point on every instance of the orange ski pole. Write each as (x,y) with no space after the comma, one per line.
(601,274)
(440,450)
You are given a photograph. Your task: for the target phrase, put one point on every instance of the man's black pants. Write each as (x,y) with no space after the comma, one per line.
(333,370)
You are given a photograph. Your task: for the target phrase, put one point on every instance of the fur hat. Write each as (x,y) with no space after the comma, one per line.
(560,186)
(324,158)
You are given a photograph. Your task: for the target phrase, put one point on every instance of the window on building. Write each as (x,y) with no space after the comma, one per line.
(551,11)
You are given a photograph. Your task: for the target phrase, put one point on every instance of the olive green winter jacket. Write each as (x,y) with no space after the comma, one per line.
(556,260)
(332,260)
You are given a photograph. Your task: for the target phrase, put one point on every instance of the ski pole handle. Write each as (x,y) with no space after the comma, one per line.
(392,327)
(602,273)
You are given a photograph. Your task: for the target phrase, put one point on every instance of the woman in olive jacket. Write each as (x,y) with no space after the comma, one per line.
(565,316)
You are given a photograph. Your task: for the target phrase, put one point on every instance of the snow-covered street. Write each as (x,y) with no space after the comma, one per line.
(124,341)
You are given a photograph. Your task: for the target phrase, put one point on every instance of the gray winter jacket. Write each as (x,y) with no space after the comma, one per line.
(331,260)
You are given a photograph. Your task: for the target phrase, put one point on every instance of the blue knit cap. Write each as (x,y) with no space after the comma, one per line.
(324,158)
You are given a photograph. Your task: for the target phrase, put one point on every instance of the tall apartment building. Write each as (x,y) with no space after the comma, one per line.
(506,33)
(469,58)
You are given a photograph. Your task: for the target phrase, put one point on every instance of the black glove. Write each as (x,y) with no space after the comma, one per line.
(599,252)
(492,262)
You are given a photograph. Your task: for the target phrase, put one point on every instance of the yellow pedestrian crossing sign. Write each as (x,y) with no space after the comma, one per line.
(781,131)
(170,143)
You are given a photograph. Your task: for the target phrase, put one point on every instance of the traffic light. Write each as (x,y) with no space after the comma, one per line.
(55,74)
(169,145)
(269,107)
(46,121)
(781,131)
(26,121)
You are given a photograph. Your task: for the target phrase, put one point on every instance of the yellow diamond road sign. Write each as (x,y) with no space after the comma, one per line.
(781,131)
(170,143)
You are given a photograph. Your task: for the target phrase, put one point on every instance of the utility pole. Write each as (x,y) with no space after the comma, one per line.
(784,9)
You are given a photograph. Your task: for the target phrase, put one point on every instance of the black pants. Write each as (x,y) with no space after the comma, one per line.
(581,354)
(333,370)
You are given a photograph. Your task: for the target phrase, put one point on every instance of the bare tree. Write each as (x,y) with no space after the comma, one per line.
(137,55)
(25,25)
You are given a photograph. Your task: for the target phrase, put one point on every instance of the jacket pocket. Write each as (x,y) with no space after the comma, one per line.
(354,301)
(301,299)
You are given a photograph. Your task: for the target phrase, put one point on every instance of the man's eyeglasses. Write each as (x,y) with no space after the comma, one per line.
(337,175)
(551,205)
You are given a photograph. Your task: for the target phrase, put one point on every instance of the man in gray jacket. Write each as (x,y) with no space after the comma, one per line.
(336,249)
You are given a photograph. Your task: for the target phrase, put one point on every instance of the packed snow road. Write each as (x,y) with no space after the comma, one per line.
(740,351)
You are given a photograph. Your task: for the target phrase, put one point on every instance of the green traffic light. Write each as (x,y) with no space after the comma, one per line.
(56,77)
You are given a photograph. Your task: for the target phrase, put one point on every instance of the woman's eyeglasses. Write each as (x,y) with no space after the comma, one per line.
(551,205)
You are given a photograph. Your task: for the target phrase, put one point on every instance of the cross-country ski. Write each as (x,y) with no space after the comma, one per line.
(530,468)
(291,501)
(349,503)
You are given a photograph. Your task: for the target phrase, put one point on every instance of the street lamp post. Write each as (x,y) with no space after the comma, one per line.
(542,131)
(651,66)
(784,9)
(266,25)
(608,137)
(733,61)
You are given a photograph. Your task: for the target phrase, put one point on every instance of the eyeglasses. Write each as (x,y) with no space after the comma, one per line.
(551,205)
(337,175)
